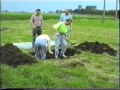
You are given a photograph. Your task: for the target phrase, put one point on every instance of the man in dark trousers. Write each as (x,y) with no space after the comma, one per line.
(37,22)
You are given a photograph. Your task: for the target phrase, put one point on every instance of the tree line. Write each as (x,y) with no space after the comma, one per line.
(90,10)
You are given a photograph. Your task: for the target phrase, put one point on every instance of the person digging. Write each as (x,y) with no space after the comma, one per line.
(61,37)
(42,42)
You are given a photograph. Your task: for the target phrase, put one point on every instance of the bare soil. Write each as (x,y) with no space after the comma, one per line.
(13,56)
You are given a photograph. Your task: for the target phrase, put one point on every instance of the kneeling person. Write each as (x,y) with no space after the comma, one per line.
(42,42)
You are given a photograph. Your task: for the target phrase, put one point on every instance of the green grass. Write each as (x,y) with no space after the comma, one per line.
(26,16)
(86,70)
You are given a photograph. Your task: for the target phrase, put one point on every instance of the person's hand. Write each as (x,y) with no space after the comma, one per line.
(66,38)
(57,33)
(34,27)
(51,52)
(41,26)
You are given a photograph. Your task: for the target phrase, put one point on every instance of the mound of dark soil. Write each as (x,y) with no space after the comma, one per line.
(69,52)
(12,56)
(96,47)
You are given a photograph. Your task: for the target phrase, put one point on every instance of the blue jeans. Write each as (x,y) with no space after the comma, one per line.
(60,43)
(40,49)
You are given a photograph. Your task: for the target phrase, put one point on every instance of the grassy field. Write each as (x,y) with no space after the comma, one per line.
(26,16)
(86,70)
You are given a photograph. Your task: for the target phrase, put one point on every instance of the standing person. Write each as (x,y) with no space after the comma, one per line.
(42,42)
(37,22)
(66,16)
(61,37)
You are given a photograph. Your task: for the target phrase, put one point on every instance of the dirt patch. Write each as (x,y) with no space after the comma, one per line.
(96,47)
(69,52)
(93,47)
(12,56)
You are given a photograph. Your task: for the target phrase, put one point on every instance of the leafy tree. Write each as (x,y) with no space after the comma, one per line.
(79,7)
(57,11)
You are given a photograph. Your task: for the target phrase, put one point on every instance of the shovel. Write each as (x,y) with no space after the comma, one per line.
(71,42)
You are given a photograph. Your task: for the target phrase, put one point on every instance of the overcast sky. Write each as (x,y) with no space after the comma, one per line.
(53,5)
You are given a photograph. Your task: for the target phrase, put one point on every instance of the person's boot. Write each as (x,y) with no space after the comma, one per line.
(64,56)
(56,57)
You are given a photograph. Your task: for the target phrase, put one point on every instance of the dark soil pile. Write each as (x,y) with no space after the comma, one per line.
(69,52)
(12,56)
(96,47)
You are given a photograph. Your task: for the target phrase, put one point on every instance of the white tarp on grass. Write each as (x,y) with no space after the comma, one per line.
(28,45)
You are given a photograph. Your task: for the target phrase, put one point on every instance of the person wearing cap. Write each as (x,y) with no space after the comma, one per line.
(37,22)
(42,42)
(64,16)
(61,37)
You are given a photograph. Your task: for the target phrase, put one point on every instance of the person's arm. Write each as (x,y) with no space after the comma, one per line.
(71,26)
(61,18)
(41,21)
(71,23)
(32,21)
(56,27)
(66,36)
(49,48)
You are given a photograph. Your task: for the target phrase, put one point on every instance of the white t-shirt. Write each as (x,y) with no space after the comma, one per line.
(42,40)
(44,36)
(64,17)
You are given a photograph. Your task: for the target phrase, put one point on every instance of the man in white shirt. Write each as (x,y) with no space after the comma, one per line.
(42,42)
